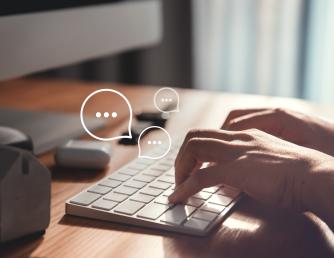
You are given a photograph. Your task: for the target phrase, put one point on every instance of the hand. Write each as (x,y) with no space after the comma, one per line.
(265,167)
(289,125)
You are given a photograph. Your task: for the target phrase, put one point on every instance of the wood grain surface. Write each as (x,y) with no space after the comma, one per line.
(252,229)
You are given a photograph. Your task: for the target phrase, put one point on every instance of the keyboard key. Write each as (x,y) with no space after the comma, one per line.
(138,166)
(160,185)
(197,224)
(160,167)
(177,214)
(195,202)
(125,190)
(153,211)
(129,171)
(220,200)
(129,207)
(119,177)
(228,191)
(170,158)
(202,195)
(204,215)
(110,183)
(152,172)
(212,189)
(171,172)
(116,197)
(142,198)
(168,192)
(167,179)
(163,200)
(151,191)
(213,208)
(167,163)
(85,198)
(135,184)
(103,204)
(99,189)
(146,161)
(144,178)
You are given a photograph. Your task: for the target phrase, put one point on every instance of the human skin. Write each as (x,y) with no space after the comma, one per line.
(308,131)
(267,168)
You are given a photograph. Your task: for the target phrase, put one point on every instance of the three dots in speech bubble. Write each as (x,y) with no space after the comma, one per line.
(161,97)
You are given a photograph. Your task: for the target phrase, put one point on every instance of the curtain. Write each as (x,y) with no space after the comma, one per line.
(271,47)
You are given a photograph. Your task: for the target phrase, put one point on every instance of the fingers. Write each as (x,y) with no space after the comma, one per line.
(267,120)
(215,134)
(199,150)
(230,173)
(240,112)
(194,184)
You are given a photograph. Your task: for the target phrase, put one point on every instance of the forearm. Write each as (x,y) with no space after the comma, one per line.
(319,192)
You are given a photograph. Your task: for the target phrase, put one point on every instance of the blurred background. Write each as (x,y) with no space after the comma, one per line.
(270,47)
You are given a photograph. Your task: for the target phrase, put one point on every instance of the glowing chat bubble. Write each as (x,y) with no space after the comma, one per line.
(109,105)
(162,143)
(166,100)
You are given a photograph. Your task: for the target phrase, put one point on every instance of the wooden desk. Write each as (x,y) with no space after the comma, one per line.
(252,230)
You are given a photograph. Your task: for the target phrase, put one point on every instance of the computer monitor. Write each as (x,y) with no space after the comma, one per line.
(37,35)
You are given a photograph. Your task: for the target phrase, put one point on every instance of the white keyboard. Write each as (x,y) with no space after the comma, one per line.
(137,194)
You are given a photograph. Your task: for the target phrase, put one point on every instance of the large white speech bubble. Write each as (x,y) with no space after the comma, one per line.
(129,136)
(167,100)
(159,156)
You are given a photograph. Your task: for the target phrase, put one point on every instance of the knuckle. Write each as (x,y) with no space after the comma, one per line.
(245,136)
(252,134)
(251,131)
(279,111)
(232,125)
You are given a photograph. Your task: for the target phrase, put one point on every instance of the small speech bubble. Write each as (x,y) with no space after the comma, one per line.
(109,105)
(166,100)
(162,142)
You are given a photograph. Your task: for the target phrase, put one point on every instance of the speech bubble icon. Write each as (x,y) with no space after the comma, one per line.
(166,100)
(109,105)
(161,141)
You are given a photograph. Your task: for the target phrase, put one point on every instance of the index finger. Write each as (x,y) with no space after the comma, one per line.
(198,133)
(199,150)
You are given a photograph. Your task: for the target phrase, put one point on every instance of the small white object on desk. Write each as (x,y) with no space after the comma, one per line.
(83,154)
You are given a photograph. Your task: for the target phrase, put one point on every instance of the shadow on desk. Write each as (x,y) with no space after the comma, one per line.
(243,234)
(31,241)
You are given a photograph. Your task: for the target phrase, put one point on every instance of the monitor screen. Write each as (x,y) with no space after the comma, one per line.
(10,7)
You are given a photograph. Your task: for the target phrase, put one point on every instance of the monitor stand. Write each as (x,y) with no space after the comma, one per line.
(47,129)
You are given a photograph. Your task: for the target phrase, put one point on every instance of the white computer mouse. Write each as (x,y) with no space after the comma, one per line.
(83,154)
